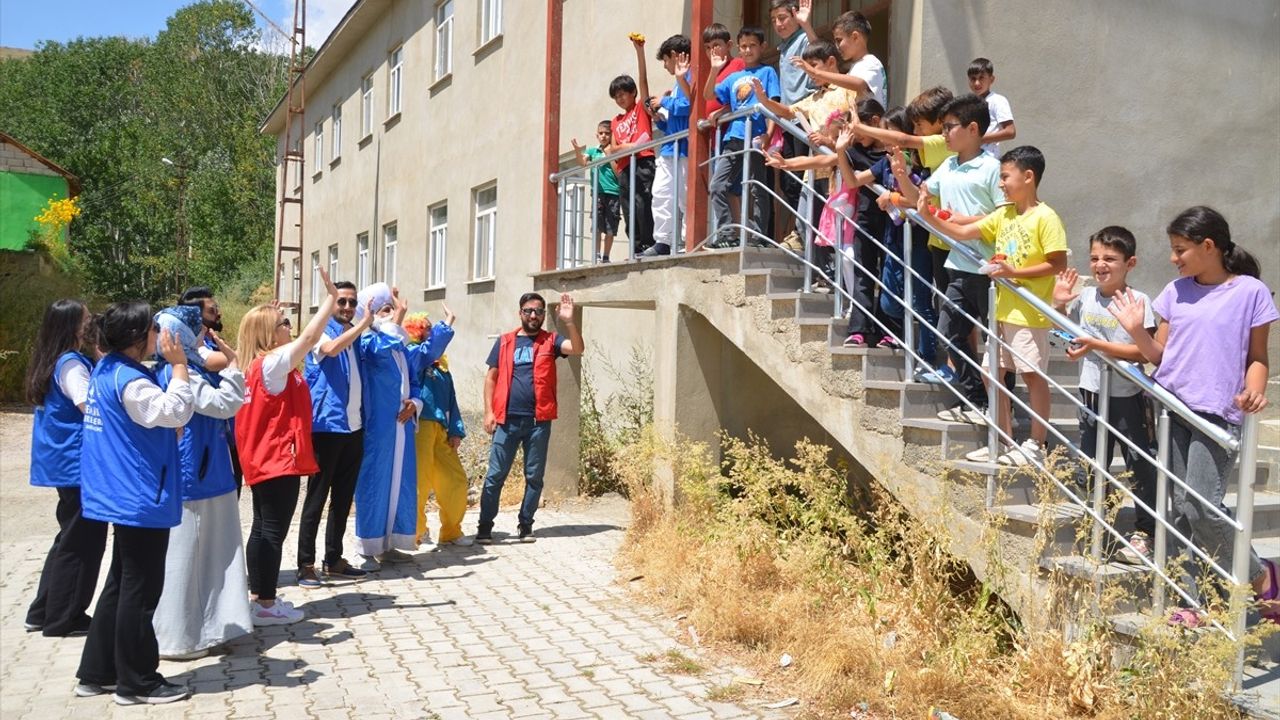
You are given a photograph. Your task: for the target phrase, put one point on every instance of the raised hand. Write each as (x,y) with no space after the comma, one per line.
(844,139)
(401,306)
(716,62)
(800,63)
(366,320)
(682,63)
(1129,310)
(1064,289)
(804,12)
(449,316)
(328,283)
(564,313)
(223,347)
(171,349)
(897,161)
(574,143)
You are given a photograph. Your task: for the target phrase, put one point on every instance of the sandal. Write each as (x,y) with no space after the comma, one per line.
(1270,607)
(1185,618)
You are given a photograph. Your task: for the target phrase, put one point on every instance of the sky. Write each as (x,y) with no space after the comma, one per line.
(24,23)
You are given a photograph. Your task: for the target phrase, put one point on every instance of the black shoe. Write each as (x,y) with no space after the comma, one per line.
(165,693)
(484,536)
(93,689)
(656,250)
(32,627)
(526,534)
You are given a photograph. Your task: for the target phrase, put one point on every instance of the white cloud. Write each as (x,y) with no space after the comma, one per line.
(322,17)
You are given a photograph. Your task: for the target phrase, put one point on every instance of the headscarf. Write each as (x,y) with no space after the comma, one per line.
(379,292)
(185,323)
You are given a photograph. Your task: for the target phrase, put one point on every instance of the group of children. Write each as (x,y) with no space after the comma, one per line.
(940,156)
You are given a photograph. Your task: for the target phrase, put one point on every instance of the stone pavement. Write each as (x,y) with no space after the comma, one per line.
(545,630)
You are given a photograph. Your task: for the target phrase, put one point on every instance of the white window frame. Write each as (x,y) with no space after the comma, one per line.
(366,106)
(364,274)
(297,280)
(395,82)
(444,40)
(333,262)
(490,20)
(390,246)
(484,234)
(315,278)
(319,145)
(336,151)
(437,245)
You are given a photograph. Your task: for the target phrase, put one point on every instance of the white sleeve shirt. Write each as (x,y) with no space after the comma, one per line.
(220,402)
(871,70)
(150,407)
(276,367)
(73,381)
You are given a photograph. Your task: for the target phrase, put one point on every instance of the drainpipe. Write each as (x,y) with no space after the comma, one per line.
(695,219)
(551,132)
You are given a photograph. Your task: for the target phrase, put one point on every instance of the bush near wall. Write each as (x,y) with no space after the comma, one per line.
(29,281)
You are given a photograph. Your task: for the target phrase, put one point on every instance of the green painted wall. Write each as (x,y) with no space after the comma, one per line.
(22,197)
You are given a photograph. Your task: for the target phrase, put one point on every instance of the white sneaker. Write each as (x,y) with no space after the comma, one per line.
(1025,454)
(981,455)
(280,613)
(960,413)
(464,541)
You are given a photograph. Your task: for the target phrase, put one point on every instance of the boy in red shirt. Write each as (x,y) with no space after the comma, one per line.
(632,127)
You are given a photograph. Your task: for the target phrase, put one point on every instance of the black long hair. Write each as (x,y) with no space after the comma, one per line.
(1201,223)
(123,325)
(58,333)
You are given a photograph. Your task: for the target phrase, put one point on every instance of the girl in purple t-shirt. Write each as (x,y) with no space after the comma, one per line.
(1211,351)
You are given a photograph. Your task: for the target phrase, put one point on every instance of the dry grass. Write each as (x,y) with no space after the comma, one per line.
(771,557)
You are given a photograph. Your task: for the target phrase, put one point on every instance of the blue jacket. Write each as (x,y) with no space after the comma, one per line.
(203,449)
(439,401)
(677,106)
(56,433)
(129,475)
(330,384)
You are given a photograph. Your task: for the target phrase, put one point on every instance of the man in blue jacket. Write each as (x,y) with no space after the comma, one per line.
(332,371)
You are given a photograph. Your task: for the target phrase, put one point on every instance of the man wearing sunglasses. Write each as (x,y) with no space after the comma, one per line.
(520,403)
(332,370)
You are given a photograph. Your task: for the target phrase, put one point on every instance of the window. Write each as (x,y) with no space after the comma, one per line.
(336,152)
(486,233)
(437,239)
(363,276)
(297,280)
(333,263)
(444,38)
(389,254)
(316,283)
(284,280)
(319,145)
(490,20)
(366,106)
(395,81)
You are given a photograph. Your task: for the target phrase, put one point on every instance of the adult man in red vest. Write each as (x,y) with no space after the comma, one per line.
(520,403)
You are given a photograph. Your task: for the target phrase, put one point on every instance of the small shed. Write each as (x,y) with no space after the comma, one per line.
(27,182)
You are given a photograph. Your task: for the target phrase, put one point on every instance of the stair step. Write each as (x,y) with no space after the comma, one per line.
(1084,568)
(1056,515)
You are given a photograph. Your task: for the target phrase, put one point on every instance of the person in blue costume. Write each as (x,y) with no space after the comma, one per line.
(130,476)
(58,385)
(386,491)
(204,601)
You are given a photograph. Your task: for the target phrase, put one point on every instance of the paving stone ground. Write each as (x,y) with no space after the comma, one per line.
(546,630)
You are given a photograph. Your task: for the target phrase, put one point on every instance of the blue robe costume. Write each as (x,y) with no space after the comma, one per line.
(386,490)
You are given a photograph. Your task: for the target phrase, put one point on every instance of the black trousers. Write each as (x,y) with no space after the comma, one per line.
(274,501)
(121,649)
(338,455)
(236,470)
(968,292)
(1132,417)
(70,569)
(871,257)
(640,227)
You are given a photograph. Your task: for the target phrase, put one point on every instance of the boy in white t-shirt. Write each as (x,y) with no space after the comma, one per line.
(981,75)
(866,74)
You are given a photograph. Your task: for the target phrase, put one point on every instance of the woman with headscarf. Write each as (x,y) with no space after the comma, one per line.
(130,477)
(205,592)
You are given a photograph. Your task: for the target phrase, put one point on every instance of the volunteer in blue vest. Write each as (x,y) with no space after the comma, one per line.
(387,490)
(332,372)
(201,296)
(273,432)
(520,403)
(130,476)
(57,385)
(205,600)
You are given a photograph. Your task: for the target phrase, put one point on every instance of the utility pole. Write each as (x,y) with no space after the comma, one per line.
(182,248)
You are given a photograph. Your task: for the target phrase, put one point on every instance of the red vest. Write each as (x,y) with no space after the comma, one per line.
(273,432)
(544,376)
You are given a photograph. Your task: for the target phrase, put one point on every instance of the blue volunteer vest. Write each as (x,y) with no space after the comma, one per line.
(56,433)
(330,383)
(129,475)
(203,449)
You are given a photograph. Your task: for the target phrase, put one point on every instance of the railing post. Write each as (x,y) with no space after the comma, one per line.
(631,206)
(908,322)
(561,241)
(711,175)
(1102,459)
(678,222)
(808,231)
(1244,539)
(993,391)
(595,219)
(1161,508)
(746,192)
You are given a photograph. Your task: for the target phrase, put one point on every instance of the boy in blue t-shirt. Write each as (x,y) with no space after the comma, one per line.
(736,92)
(670,115)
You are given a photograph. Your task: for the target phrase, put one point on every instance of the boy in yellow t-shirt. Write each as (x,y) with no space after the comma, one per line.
(1031,249)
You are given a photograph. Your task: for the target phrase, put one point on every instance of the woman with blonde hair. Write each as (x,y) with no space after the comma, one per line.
(273,434)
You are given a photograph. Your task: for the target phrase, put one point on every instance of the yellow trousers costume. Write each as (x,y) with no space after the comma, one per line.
(440,471)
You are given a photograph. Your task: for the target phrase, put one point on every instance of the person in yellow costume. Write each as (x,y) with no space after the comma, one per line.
(440,432)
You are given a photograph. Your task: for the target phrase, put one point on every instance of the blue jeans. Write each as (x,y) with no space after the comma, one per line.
(517,432)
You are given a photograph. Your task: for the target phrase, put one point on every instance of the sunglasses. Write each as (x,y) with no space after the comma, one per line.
(284,323)
(539,312)
(346,302)
(949,126)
